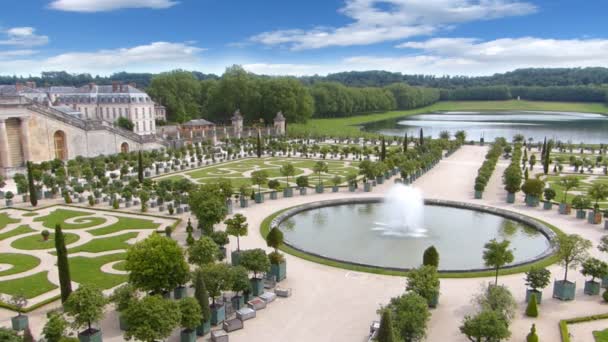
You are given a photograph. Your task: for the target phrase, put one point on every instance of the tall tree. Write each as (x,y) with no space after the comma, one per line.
(497,254)
(405,142)
(259,145)
(385,332)
(201,295)
(63,266)
(30,184)
(421,137)
(140,168)
(208,205)
(179,92)
(383,150)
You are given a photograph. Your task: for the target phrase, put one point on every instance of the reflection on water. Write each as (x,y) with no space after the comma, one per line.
(564,126)
(345,232)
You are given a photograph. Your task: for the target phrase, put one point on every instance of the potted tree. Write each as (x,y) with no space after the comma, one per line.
(549,195)
(497,254)
(256,261)
(240,285)
(258,178)
(274,185)
(245,192)
(122,298)
(202,297)
(537,279)
(533,188)
(21,321)
(594,268)
(190,318)
(236,226)
(217,279)
(597,192)
(221,240)
(320,167)
(424,281)
(352,182)
(9,198)
(512,181)
(571,252)
(85,306)
(288,170)
(567,183)
(151,319)
(278,265)
(336,181)
(302,183)
(580,203)
(45,235)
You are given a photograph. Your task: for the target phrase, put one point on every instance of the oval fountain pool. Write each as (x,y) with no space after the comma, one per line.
(355,232)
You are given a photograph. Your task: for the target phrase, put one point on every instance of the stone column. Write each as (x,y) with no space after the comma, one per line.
(25,138)
(4,160)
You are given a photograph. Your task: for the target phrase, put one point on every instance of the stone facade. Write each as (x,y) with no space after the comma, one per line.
(96,102)
(37,133)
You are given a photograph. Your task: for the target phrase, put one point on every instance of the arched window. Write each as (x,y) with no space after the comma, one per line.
(124,148)
(61,151)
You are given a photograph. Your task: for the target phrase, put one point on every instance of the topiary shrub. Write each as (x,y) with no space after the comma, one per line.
(532,337)
(532,309)
(430,257)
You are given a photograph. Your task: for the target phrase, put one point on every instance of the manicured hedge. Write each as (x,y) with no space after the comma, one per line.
(563,324)
(487,168)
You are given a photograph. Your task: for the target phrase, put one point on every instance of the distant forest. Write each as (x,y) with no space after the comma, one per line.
(521,77)
(193,94)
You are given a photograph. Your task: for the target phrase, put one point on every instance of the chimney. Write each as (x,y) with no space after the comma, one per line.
(18,87)
(30,84)
(114,86)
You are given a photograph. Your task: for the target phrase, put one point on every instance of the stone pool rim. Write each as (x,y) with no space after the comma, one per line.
(547,232)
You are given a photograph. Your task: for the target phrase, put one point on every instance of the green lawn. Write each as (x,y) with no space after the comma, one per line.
(17,231)
(235,171)
(30,287)
(5,220)
(601,336)
(105,244)
(120,266)
(348,126)
(584,186)
(36,242)
(59,216)
(20,262)
(30,214)
(125,223)
(88,271)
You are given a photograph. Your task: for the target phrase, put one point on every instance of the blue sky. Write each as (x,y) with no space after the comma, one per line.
(456,37)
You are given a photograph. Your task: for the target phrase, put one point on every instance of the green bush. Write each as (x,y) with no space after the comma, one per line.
(430,257)
(605,296)
(532,309)
(532,337)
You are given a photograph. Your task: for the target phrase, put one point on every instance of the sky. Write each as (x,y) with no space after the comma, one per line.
(287,37)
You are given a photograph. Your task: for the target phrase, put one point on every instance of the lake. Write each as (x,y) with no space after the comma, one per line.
(589,128)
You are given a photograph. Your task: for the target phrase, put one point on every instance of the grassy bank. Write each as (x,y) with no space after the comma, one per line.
(348,126)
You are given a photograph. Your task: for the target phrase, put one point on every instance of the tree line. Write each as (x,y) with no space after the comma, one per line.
(260,98)
(552,93)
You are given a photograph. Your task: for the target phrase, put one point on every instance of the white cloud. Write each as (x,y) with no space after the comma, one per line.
(89,6)
(462,56)
(23,36)
(16,53)
(154,57)
(402,19)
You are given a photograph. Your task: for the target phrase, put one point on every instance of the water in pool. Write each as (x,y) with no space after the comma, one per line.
(564,126)
(346,232)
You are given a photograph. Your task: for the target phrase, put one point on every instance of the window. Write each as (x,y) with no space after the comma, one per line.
(60,148)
